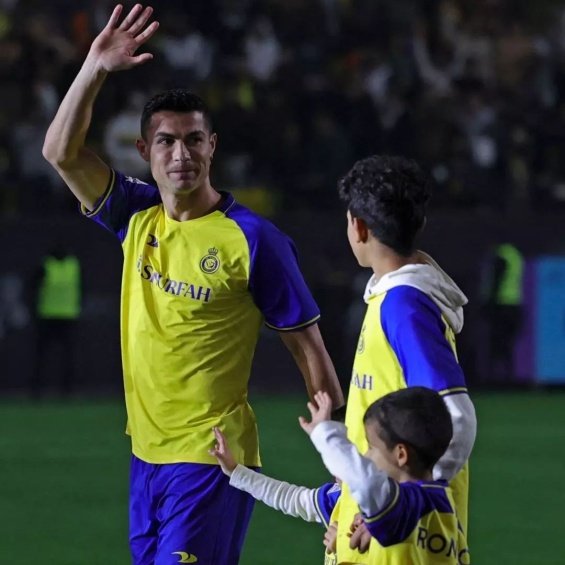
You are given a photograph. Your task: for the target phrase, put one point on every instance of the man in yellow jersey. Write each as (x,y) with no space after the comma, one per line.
(414,310)
(411,517)
(201,274)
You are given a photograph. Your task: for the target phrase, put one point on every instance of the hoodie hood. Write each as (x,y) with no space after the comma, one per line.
(430,279)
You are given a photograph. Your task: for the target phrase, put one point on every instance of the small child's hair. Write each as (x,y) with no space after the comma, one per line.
(417,417)
(389,193)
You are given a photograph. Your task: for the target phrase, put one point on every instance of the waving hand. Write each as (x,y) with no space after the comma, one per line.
(114,48)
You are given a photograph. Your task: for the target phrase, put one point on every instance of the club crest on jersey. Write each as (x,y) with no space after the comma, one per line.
(210,262)
(361,342)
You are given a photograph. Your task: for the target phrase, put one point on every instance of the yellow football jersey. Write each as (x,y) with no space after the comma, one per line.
(404,341)
(194,295)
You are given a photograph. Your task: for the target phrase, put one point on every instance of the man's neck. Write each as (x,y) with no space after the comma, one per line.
(196,204)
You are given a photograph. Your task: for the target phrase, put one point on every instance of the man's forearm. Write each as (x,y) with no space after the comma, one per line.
(308,349)
(322,376)
(67,133)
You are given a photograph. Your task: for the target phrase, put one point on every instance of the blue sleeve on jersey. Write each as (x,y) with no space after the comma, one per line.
(410,504)
(414,328)
(125,196)
(275,281)
(325,499)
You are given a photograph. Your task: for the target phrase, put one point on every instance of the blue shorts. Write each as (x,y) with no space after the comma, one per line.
(185,513)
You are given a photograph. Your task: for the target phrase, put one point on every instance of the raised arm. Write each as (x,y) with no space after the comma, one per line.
(308,349)
(371,488)
(113,49)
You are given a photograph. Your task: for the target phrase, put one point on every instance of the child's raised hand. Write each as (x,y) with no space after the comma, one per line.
(320,413)
(221,451)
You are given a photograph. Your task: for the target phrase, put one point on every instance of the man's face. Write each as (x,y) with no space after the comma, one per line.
(378,452)
(179,148)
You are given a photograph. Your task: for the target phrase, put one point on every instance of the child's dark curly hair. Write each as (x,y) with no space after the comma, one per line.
(390,195)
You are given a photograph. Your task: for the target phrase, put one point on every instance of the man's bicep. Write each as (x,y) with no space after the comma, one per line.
(87,176)
(277,284)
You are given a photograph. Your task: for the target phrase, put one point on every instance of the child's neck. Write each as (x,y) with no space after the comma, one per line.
(405,476)
(385,260)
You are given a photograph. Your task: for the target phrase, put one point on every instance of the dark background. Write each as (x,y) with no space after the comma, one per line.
(475,91)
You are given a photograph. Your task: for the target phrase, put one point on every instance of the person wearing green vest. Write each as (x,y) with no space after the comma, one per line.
(502,306)
(57,310)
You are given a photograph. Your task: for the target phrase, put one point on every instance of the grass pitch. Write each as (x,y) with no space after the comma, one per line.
(64,474)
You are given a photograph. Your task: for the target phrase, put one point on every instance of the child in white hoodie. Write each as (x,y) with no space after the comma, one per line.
(414,311)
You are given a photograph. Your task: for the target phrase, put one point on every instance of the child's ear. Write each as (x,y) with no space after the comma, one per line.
(401,454)
(361,230)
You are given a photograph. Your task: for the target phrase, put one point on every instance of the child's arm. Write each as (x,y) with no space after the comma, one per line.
(293,500)
(372,489)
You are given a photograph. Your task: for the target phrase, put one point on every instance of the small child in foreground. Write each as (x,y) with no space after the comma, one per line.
(411,516)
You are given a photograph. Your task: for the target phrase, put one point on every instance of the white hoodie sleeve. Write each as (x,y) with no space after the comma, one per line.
(464,423)
(371,488)
(290,499)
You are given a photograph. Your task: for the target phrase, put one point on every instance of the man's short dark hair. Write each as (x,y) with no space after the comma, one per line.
(417,417)
(175,100)
(390,195)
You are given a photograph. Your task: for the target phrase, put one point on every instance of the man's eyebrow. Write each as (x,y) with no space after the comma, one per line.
(189,134)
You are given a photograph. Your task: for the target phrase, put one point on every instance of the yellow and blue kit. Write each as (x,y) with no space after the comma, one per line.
(194,296)
(408,339)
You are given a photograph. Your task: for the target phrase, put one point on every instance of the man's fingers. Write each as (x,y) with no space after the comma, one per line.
(143,58)
(114,18)
(141,20)
(147,33)
(131,17)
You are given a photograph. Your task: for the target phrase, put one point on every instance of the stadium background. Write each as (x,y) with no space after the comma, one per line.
(299,88)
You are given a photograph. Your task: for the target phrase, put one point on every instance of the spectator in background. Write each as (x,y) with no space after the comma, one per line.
(119,138)
(57,307)
(501,291)
(263,52)
(411,57)
(189,54)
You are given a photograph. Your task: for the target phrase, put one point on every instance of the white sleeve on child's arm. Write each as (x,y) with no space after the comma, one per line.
(290,499)
(464,423)
(371,488)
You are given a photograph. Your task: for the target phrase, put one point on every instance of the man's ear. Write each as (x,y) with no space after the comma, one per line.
(360,229)
(142,148)
(213,142)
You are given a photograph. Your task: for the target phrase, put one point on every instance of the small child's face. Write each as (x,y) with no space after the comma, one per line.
(383,457)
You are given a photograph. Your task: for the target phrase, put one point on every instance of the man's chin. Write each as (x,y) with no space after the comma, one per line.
(184,189)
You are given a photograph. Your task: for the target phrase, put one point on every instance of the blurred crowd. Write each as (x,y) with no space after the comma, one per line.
(299,89)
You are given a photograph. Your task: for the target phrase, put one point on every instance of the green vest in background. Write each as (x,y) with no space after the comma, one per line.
(59,292)
(509,292)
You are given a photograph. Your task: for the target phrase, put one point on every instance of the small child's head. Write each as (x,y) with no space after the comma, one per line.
(386,197)
(408,431)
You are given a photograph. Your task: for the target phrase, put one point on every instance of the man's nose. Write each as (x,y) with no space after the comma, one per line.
(182,152)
